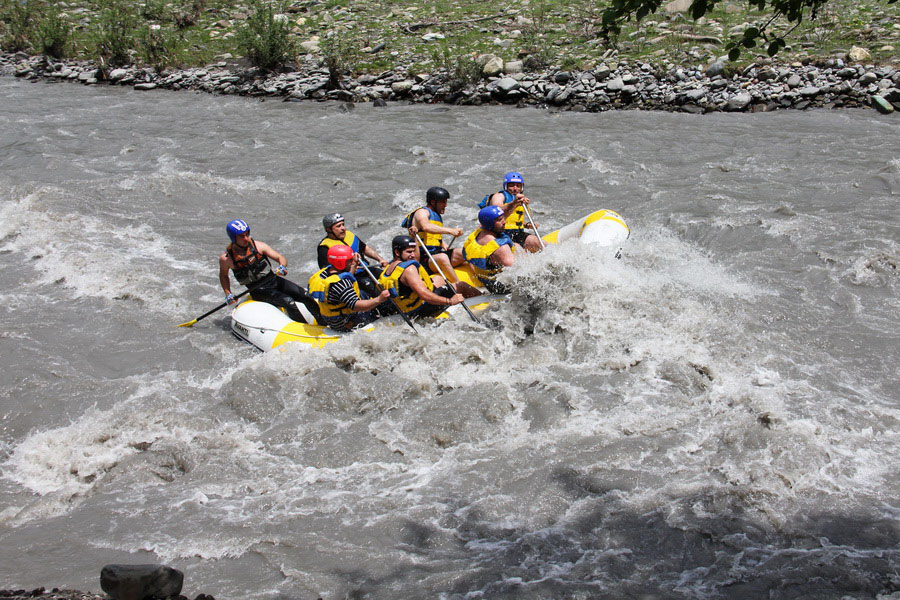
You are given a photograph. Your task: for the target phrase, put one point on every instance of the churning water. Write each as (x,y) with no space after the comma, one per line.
(716,415)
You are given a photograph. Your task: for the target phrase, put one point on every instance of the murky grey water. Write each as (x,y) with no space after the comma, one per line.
(715,415)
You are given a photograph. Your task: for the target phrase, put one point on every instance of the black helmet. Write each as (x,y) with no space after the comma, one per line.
(436,194)
(401,243)
(331,220)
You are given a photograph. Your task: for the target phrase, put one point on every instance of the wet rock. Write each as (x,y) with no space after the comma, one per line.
(882,105)
(136,582)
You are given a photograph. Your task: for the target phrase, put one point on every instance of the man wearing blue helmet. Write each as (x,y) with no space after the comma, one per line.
(249,260)
(488,249)
(513,202)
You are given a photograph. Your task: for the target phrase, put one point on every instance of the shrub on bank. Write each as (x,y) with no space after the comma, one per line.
(53,34)
(114,33)
(265,39)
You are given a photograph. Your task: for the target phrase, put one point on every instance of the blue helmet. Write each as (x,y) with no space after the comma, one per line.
(513,177)
(236,228)
(488,215)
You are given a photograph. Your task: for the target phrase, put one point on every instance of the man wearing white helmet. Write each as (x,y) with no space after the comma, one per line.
(249,260)
(336,233)
(513,202)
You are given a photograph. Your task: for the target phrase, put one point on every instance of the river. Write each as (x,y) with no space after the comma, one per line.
(715,415)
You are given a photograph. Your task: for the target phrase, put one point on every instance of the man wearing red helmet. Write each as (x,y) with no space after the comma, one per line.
(514,202)
(337,291)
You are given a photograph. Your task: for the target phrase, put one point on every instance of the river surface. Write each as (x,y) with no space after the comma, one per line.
(715,415)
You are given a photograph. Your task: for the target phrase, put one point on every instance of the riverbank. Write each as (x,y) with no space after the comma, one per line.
(839,82)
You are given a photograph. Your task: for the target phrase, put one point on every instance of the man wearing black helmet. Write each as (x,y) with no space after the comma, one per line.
(415,292)
(336,233)
(427,223)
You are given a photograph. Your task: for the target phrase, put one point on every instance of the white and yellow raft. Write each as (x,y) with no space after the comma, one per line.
(267,327)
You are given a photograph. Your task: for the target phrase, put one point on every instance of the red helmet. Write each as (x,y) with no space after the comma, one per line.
(339,256)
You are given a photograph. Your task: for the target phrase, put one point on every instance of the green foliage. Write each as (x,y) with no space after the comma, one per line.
(461,67)
(533,42)
(115,32)
(794,11)
(340,54)
(159,46)
(53,34)
(154,10)
(266,36)
(18,16)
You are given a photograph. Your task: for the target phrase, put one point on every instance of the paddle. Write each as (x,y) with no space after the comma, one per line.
(438,267)
(223,305)
(402,314)
(453,241)
(533,226)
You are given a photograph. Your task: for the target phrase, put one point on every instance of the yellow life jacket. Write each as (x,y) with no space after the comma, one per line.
(432,241)
(405,297)
(515,219)
(320,283)
(478,255)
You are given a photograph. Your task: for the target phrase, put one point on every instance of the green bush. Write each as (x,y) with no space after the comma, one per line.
(266,36)
(154,10)
(461,67)
(18,17)
(159,47)
(340,55)
(115,32)
(53,34)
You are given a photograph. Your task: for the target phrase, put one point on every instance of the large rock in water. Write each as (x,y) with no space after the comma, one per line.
(137,582)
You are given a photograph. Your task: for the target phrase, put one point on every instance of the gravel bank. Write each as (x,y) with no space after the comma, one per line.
(613,85)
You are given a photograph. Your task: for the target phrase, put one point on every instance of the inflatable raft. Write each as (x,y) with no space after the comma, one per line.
(267,327)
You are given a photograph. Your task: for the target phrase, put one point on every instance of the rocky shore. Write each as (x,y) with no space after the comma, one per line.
(838,82)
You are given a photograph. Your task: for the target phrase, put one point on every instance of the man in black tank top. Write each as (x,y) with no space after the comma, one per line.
(249,260)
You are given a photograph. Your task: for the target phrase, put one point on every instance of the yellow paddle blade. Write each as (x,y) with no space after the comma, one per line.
(188,324)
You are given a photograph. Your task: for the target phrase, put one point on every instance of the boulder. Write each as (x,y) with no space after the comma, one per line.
(507,85)
(715,69)
(137,582)
(493,66)
(402,87)
(882,105)
(615,85)
(513,67)
(859,54)
(678,6)
(738,102)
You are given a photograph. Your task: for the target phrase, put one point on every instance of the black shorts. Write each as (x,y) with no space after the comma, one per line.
(518,235)
(433,310)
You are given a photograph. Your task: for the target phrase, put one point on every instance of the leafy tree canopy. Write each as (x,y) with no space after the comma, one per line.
(794,11)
